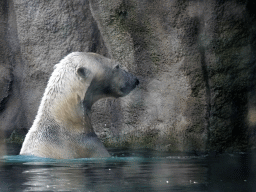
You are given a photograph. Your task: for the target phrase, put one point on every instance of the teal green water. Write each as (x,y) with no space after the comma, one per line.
(129,170)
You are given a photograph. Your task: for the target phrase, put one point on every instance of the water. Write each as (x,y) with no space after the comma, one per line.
(130,170)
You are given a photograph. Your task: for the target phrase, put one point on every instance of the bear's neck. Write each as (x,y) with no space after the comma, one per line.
(67,112)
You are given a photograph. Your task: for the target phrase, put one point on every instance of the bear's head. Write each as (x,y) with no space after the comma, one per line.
(81,79)
(106,78)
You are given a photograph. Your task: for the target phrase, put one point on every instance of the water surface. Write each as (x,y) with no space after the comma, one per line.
(130,170)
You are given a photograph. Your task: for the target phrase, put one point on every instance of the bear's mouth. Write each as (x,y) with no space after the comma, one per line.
(107,90)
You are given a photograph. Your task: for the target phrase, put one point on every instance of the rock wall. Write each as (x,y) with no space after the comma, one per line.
(195,61)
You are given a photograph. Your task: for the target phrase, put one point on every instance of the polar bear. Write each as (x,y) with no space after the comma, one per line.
(62,128)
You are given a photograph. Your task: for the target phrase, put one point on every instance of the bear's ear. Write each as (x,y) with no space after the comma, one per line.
(83,72)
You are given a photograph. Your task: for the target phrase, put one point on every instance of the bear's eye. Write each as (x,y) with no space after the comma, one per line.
(83,72)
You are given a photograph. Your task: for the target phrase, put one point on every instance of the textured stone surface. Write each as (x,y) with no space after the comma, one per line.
(195,61)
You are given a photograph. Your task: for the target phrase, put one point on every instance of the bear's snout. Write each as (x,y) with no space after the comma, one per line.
(129,86)
(137,82)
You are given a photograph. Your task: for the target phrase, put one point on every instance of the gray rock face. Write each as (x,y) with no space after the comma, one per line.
(195,61)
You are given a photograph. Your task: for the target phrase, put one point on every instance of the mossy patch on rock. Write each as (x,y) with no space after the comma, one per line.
(136,140)
(15,137)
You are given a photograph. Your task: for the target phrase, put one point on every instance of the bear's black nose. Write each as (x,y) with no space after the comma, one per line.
(137,82)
